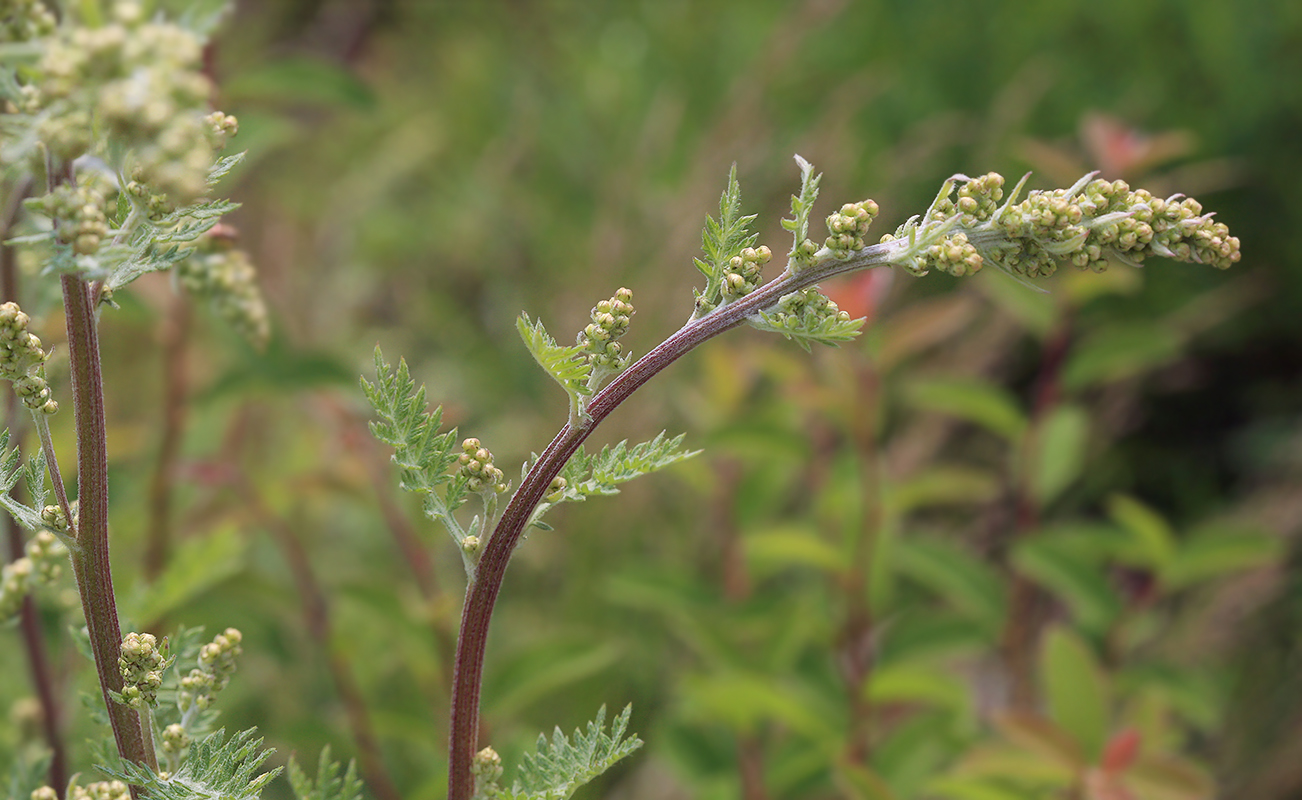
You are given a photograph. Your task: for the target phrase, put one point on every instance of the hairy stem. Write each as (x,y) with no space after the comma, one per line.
(90,561)
(481,594)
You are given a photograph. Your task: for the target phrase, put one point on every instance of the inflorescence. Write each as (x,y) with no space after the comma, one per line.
(22,360)
(1088,225)
(610,320)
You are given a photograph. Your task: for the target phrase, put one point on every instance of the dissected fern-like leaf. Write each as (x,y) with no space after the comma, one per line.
(422,453)
(11,469)
(563,765)
(722,239)
(802,205)
(601,473)
(564,364)
(329,784)
(215,768)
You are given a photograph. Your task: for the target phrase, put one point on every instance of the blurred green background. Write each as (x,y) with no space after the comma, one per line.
(1007,545)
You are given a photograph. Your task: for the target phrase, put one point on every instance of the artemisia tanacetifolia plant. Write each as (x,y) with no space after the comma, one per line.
(109,152)
(972,223)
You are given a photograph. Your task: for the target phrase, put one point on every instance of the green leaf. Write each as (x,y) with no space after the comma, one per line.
(802,205)
(198,565)
(912,683)
(329,784)
(214,768)
(980,402)
(788,546)
(943,485)
(745,701)
(1120,351)
(565,365)
(1059,452)
(1214,553)
(721,240)
(1076,689)
(862,783)
(811,322)
(1154,541)
(299,80)
(560,767)
(1081,585)
(11,469)
(545,669)
(969,585)
(423,455)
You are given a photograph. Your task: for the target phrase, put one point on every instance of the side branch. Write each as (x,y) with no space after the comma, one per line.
(481,594)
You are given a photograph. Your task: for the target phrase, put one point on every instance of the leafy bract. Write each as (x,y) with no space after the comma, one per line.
(565,365)
(216,767)
(802,204)
(11,469)
(422,453)
(329,784)
(563,765)
(722,239)
(601,473)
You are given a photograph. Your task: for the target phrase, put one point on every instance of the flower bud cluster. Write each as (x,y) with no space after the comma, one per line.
(42,564)
(486,768)
(226,277)
(1089,224)
(849,226)
(610,319)
(477,466)
(100,790)
(143,81)
(16,579)
(22,359)
(52,517)
(805,309)
(175,739)
(1107,218)
(78,215)
(141,664)
(743,274)
(556,490)
(216,665)
(23,20)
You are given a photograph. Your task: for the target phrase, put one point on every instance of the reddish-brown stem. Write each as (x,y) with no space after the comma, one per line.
(481,594)
(90,559)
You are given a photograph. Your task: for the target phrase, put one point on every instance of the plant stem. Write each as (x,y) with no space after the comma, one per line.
(481,594)
(90,561)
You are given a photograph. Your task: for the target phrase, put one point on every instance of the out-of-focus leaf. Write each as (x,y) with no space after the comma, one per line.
(1080,584)
(943,485)
(1166,777)
(1215,553)
(1054,746)
(1154,540)
(744,702)
(1033,766)
(789,546)
(976,789)
(914,683)
(1076,689)
(982,403)
(545,669)
(923,324)
(297,80)
(197,565)
(915,750)
(861,783)
(1060,443)
(913,636)
(1034,311)
(1118,351)
(969,585)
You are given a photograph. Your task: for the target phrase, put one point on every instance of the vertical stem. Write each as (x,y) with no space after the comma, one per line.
(34,643)
(91,561)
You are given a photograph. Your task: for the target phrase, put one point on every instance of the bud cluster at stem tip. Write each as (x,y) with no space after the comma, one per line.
(22,360)
(610,320)
(216,665)
(477,466)
(849,226)
(141,663)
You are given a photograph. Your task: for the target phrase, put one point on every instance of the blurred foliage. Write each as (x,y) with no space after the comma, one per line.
(1006,545)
